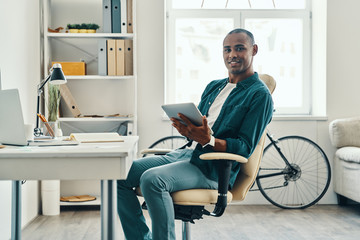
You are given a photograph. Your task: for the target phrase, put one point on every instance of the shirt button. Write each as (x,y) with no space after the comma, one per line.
(209,103)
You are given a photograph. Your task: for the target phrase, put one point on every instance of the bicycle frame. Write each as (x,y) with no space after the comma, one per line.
(282,171)
(282,156)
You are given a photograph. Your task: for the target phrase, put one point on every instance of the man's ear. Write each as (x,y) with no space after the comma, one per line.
(255,49)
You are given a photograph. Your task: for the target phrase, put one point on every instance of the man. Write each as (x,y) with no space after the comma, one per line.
(237,109)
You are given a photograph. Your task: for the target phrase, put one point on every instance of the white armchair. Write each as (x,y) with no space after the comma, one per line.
(345,136)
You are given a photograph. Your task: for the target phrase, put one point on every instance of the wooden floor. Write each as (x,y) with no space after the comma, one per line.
(238,222)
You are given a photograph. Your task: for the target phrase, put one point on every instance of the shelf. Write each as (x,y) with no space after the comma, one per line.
(97,77)
(96,119)
(90,35)
(97,201)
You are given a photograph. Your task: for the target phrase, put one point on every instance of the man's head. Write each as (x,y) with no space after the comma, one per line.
(239,50)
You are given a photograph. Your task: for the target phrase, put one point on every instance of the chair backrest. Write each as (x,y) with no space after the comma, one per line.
(249,170)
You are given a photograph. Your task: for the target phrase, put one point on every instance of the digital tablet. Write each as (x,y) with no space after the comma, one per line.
(187,109)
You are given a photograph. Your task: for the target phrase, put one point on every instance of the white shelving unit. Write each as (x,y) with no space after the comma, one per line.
(94,94)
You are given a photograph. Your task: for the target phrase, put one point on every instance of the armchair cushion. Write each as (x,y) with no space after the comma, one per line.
(345,132)
(349,154)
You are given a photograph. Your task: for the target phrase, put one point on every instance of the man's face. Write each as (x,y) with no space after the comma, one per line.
(238,53)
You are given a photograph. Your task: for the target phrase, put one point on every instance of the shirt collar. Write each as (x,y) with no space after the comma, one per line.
(248,81)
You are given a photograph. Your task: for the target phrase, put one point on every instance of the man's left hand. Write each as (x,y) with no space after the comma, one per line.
(200,134)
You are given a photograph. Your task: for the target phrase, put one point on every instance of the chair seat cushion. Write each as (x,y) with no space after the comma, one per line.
(197,197)
(349,154)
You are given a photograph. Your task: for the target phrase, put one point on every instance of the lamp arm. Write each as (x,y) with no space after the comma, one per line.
(42,84)
(37,130)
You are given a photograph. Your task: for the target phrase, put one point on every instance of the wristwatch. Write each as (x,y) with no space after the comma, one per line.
(211,142)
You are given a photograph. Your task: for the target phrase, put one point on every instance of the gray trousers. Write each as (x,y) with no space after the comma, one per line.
(157,176)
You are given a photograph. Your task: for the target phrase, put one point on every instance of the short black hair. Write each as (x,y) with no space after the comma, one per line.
(241,30)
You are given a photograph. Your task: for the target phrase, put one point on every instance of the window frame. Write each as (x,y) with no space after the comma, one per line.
(239,17)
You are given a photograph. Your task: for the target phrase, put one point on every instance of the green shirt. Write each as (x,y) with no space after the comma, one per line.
(242,120)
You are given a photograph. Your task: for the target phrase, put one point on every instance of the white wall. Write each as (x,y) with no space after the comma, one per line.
(342,85)
(20,68)
(19,46)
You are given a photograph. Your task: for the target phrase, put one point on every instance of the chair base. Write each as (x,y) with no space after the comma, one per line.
(189,213)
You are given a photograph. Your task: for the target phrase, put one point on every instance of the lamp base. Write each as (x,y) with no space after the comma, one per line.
(37,132)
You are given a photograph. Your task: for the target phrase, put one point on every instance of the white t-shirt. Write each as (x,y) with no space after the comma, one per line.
(215,108)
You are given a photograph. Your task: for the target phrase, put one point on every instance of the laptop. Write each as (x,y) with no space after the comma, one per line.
(12,128)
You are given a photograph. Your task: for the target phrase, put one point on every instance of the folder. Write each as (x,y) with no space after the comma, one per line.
(111,57)
(116,16)
(102,57)
(69,100)
(128,57)
(120,57)
(123,17)
(129,15)
(130,129)
(107,16)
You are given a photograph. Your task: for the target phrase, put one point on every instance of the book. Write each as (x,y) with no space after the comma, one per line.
(96,137)
(72,68)
(120,57)
(111,57)
(128,57)
(81,198)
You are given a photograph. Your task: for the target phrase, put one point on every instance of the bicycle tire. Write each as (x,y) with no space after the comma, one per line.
(169,142)
(290,190)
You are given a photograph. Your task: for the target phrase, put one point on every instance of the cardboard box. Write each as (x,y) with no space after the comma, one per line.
(72,68)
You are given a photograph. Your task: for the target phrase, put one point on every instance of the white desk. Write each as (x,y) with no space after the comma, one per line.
(90,161)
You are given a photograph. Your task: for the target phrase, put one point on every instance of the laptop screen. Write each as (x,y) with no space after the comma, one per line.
(12,129)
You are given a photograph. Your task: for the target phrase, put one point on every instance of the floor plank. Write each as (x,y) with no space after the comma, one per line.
(244,222)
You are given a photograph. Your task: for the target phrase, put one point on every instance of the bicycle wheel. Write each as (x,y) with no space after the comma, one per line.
(301,186)
(170,142)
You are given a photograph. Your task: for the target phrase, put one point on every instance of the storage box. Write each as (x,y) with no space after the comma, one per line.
(72,68)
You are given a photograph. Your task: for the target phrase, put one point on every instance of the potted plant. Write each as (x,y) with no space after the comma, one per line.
(72,28)
(53,108)
(83,28)
(92,27)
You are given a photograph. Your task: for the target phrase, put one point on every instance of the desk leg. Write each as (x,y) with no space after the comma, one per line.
(108,209)
(16,211)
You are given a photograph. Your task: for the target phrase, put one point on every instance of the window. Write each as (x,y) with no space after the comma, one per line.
(195,32)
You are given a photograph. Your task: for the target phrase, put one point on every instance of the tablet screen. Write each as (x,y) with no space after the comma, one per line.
(187,109)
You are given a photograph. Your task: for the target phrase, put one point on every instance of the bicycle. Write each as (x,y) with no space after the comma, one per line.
(294,172)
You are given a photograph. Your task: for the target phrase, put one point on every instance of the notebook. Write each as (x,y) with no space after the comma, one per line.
(12,128)
(96,137)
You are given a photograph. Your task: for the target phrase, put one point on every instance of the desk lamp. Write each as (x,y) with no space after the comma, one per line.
(56,77)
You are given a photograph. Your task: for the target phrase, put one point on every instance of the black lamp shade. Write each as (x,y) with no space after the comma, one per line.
(57,75)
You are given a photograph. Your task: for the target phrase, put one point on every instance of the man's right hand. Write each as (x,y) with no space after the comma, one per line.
(200,134)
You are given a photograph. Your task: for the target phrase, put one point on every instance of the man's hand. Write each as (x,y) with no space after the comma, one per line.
(200,134)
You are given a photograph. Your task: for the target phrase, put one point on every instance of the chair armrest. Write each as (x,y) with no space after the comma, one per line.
(224,177)
(223,156)
(156,151)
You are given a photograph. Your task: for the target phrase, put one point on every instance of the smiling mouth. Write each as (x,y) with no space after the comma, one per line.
(234,63)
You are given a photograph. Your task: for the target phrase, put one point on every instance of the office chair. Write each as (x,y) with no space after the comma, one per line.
(189,205)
